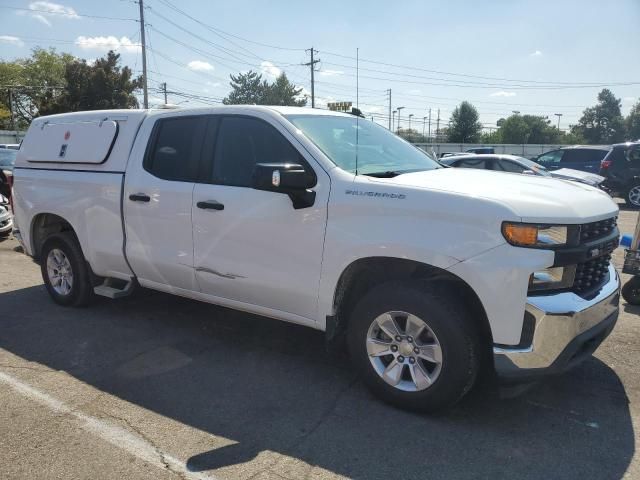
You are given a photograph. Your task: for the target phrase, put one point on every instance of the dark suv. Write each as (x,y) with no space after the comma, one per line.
(579,157)
(621,169)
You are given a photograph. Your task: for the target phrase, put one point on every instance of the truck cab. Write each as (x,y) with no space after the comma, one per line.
(330,221)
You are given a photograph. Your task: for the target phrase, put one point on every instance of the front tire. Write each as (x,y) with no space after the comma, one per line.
(64,270)
(415,346)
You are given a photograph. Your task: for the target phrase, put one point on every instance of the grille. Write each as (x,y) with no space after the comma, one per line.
(591,274)
(595,230)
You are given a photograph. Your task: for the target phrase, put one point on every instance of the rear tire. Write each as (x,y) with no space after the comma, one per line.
(65,271)
(631,291)
(422,382)
(632,197)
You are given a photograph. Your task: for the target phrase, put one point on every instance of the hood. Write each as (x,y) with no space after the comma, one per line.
(532,198)
(578,176)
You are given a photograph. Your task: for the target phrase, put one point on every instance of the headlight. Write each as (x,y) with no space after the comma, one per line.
(537,236)
(552,278)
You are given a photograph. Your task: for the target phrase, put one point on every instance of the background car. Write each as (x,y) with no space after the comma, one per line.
(578,157)
(621,170)
(482,150)
(6,220)
(7,161)
(11,146)
(515,164)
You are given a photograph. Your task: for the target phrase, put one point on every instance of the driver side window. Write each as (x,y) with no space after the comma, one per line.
(242,143)
(550,158)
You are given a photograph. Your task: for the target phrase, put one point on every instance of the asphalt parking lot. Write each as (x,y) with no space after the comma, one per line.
(155,386)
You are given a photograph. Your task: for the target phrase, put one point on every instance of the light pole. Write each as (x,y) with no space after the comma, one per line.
(393,121)
(399,109)
(558,115)
(410,115)
(424,124)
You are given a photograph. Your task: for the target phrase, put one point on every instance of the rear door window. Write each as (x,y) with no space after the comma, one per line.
(176,148)
(634,157)
(471,163)
(583,155)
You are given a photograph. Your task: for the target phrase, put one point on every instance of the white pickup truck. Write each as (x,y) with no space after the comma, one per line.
(330,221)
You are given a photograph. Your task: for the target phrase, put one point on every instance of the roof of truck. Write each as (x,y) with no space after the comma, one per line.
(222,108)
(253,108)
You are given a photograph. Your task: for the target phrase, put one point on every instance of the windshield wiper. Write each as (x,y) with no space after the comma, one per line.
(392,173)
(386,174)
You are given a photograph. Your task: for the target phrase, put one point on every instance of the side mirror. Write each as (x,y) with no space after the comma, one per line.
(528,172)
(289,178)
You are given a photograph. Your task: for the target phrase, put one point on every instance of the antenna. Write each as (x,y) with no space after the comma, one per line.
(357,102)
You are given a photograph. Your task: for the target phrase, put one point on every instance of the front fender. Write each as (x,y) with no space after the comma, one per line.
(500,278)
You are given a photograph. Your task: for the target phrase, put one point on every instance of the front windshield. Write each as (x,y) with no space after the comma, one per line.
(7,157)
(378,151)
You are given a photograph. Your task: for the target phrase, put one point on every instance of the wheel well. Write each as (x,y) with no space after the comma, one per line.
(43,226)
(364,274)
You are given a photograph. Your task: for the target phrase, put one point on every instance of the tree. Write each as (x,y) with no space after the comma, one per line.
(602,123)
(33,82)
(411,135)
(250,89)
(103,85)
(246,89)
(528,129)
(283,92)
(465,127)
(492,137)
(633,122)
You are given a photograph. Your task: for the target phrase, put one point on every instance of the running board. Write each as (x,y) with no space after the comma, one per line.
(115,288)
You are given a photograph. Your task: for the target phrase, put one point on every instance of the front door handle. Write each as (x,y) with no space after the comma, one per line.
(139,197)
(210,205)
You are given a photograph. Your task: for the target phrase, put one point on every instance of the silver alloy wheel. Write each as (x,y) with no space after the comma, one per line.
(404,351)
(59,272)
(634,195)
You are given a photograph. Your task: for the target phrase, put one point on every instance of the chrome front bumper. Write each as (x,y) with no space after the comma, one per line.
(568,328)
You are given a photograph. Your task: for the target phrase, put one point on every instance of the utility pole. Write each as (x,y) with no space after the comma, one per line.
(410,115)
(145,103)
(13,124)
(164,90)
(430,125)
(424,124)
(393,123)
(558,115)
(398,109)
(390,126)
(438,127)
(312,65)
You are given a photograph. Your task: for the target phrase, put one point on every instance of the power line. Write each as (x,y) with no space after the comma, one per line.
(219,31)
(449,73)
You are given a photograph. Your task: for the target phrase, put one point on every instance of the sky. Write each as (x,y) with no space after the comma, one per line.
(535,57)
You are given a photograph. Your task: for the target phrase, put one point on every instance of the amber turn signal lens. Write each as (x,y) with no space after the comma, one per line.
(526,235)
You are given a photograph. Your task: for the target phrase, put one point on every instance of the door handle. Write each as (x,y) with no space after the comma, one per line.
(139,197)
(210,205)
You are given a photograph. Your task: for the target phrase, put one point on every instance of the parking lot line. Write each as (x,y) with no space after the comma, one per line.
(117,436)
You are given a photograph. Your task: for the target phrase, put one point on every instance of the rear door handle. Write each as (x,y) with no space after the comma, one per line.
(210,205)
(139,197)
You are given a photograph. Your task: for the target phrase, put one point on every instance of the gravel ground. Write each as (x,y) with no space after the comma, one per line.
(155,386)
